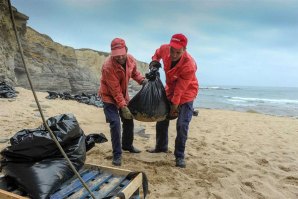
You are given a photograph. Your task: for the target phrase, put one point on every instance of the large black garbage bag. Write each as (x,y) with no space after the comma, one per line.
(7,91)
(34,161)
(150,104)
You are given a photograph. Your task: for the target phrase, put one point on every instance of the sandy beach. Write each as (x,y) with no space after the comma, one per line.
(228,155)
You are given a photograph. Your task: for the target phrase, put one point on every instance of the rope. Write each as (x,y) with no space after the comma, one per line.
(38,105)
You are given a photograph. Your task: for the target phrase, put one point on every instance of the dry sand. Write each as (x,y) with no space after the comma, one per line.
(228,154)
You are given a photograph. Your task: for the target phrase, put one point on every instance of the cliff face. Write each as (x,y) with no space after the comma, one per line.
(7,45)
(51,65)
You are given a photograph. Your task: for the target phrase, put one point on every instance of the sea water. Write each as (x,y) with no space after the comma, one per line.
(267,100)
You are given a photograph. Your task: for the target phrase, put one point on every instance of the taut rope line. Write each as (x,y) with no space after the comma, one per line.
(39,108)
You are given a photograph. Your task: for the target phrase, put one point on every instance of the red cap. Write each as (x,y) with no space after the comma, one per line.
(118,47)
(178,41)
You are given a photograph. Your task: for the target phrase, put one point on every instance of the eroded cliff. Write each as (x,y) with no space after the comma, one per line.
(52,66)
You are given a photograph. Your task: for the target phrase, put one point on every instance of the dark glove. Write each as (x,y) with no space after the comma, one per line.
(153,73)
(174,110)
(126,113)
(144,82)
(154,64)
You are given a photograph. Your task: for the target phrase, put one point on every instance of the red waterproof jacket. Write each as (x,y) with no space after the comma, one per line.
(181,82)
(114,80)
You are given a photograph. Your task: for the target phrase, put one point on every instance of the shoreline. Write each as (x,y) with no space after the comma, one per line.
(247,111)
(269,101)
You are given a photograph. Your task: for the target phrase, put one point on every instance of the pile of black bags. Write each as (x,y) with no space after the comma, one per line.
(33,162)
(90,99)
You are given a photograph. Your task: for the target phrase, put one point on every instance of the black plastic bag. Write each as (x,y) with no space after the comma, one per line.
(150,104)
(34,161)
(90,99)
(7,91)
(91,139)
(52,95)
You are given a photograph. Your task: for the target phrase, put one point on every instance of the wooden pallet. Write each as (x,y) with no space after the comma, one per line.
(102,181)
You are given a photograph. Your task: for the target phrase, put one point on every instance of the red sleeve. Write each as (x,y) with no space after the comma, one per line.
(135,74)
(114,86)
(185,78)
(157,55)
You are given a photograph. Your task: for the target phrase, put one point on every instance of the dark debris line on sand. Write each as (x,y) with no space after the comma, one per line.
(90,99)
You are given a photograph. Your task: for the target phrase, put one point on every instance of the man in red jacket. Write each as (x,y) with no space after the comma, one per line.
(116,71)
(181,90)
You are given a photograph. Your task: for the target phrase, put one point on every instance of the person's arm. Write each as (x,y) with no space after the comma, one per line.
(157,55)
(185,78)
(114,86)
(135,74)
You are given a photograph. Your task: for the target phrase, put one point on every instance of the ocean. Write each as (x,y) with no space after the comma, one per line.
(267,100)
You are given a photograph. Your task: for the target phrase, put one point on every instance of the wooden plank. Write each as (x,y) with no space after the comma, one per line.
(8,195)
(108,188)
(69,181)
(108,173)
(132,186)
(115,171)
(116,190)
(92,185)
(74,185)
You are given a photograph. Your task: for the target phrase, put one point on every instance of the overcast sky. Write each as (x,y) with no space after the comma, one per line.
(235,42)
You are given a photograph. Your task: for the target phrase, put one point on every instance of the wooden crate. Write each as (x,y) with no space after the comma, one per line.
(102,181)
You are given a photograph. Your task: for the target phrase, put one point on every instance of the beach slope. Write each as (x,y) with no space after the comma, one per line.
(228,154)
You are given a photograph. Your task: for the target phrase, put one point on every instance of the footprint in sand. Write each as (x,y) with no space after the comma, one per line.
(5,120)
(43,110)
(262,162)
(291,180)
(42,106)
(173,194)
(152,158)
(249,184)
(37,114)
(108,157)
(286,169)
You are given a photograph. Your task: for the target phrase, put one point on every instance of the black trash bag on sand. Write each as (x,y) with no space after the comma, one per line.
(150,104)
(52,95)
(7,91)
(34,161)
(91,139)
